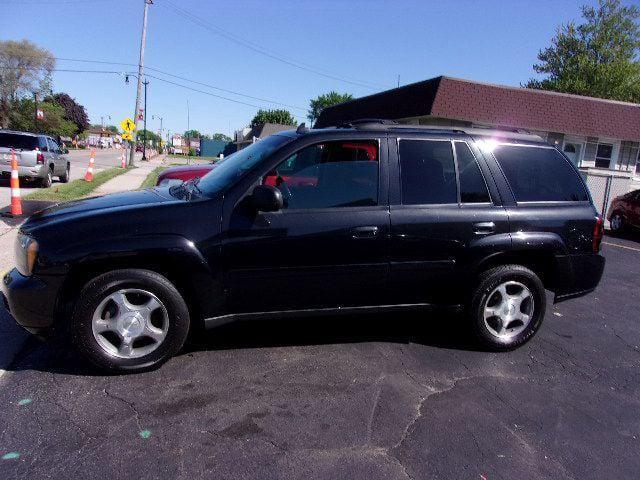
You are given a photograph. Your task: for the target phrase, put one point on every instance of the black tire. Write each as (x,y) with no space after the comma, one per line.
(617,226)
(487,283)
(47,180)
(104,285)
(65,178)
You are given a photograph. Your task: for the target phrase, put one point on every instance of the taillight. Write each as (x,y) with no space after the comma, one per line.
(598,233)
(40,158)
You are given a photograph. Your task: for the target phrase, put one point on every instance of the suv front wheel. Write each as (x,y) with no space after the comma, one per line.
(507,307)
(129,320)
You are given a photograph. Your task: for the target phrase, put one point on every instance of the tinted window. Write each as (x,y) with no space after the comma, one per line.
(331,174)
(427,172)
(473,188)
(53,146)
(539,174)
(18,142)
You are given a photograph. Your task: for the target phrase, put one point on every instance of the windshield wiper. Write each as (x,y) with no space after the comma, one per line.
(193,183)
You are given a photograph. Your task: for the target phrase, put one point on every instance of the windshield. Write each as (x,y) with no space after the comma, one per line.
(240,162)
(18,142)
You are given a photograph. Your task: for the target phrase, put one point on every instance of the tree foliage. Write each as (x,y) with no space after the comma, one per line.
(221,137)
(192,134)
(74,112)
(54,122)
(321,102)
(152,137)
(598,58)
(24,69)
(283,117)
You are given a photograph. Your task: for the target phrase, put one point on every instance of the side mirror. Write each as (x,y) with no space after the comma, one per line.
(267,198)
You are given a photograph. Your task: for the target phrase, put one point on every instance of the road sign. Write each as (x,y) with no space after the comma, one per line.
(128,125)
(40,114)
(127,136)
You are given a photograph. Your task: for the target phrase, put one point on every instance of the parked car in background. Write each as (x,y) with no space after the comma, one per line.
(624,211)
(39,157)
(177,175)
(367,217)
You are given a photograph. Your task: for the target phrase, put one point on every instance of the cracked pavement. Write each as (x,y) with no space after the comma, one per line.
(391,396)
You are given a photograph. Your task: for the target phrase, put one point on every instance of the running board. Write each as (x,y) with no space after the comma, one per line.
(214,322)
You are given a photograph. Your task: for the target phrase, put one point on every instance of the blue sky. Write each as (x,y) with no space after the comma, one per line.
(371,41)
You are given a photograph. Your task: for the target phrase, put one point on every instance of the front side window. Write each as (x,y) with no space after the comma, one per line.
(427,172)
(539,174)
(473,188)
(329,175)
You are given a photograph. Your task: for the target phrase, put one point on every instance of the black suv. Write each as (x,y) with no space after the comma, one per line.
(367,216)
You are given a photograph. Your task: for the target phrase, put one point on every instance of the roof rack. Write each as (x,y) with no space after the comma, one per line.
(369,123)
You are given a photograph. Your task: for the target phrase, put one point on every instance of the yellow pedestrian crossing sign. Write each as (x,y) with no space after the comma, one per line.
(127,136)
(128,125)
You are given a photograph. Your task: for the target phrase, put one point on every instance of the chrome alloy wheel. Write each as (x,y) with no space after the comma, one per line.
(508,309)
(130,323)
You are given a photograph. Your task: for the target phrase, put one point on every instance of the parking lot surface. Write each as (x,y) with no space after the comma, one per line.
(389,396)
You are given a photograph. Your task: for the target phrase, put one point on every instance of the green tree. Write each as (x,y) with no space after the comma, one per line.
(283,117)
(152,138)
(54,123)
(221,136)
(598,58)
(192,134)
(316,105)
(24,69)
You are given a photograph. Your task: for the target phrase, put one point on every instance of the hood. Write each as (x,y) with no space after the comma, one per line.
(187,172)
(116,201)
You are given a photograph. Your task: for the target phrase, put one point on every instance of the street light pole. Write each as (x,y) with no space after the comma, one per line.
(144,134)
(143,42)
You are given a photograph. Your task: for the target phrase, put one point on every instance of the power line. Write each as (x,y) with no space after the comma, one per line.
(252,46)
(275,102)
(154,77)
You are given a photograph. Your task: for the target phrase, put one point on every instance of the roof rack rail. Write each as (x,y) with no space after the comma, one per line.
(370,123)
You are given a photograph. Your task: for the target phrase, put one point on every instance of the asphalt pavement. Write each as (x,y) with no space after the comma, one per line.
(369,397)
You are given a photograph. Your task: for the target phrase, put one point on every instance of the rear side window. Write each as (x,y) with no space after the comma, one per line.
(427,173)
(18,142)
(473,188)
(539,174)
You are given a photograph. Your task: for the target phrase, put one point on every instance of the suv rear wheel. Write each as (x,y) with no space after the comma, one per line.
(129,320)
(65,178)
(507,307)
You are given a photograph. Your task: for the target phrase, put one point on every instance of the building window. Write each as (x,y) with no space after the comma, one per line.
(603,155)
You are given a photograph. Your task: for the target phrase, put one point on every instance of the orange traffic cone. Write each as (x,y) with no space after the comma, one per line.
(16,204)
(123,164)
(92,161)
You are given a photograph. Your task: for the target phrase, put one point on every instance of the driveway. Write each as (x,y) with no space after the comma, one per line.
(370,397)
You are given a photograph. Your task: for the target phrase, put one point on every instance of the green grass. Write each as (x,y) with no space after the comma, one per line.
(77,189)
(152,178)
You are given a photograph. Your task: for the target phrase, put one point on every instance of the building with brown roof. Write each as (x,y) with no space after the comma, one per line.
(247,136)
(593,132)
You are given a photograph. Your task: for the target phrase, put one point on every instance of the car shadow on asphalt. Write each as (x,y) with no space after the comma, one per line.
(435,329)
(628,235)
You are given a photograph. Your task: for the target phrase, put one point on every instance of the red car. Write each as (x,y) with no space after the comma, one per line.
(177,175)
(625,211)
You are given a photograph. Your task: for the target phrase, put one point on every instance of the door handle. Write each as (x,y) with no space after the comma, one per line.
(364,232)
(484,228)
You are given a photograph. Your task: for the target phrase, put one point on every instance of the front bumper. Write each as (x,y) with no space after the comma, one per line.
(38,171)
(31,300)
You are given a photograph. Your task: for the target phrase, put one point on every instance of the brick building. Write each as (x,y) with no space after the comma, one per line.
(593,132)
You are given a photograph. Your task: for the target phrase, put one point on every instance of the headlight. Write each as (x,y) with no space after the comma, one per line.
(26,254)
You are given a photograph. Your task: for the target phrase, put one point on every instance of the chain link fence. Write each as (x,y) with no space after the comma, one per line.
(604,187)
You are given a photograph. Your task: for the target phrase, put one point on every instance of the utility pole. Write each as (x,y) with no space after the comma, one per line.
(144,134)
(143,42)
(188,128)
